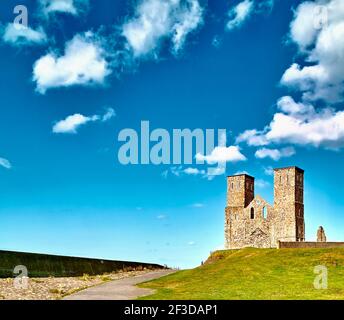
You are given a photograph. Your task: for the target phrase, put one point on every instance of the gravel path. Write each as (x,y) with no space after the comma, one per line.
(56,288)
(123,289)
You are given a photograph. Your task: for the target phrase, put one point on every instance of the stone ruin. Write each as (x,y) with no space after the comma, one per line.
(321,237)
(250,221)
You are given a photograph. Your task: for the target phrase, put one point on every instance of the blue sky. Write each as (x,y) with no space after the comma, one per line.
(84,70)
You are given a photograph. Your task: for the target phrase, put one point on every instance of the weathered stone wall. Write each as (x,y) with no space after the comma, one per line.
(310,245)
(252,222)
(288,204)
(240,190)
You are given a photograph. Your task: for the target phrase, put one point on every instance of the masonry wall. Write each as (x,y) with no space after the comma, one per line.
(41,265)
(310,245)
(252,222)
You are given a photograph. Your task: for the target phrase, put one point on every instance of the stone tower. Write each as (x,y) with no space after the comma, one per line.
(240,193)
(288,204)
(250,221)
(321,236)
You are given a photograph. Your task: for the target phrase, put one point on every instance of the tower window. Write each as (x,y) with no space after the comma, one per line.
(252,213)
(265,213)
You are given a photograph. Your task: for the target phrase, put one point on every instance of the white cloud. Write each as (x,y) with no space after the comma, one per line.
(318,30)
(17,34)
(5,163)
(192,243)
(240,13)
(269,171)
(156,20)
(110,113)
(189,19)
(180,171)
(308,127)
(287,105)
(193,171)
(162,217)
(83,63)
(252,138)
(73,7)
(72,123)
(275,154)
(222,154)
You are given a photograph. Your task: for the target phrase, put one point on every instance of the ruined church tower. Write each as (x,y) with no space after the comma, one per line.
(250,221)
(288,204)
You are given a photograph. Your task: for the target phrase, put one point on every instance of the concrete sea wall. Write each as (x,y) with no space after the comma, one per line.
(43,265)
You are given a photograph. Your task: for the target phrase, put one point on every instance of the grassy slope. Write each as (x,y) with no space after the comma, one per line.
(256,274)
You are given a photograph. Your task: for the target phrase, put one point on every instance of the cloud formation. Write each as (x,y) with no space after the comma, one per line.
(300,124)
(73,7)
(241,12)
(181,171)
(275,154)
(17,34)
(72,123)
(83,63)
(5,163)
(157,20)
(222,155)
(318,31)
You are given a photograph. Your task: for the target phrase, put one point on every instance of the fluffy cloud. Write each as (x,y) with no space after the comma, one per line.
(5,163)
(83,63)
(318,30)
(300,124)
(73,7)
(222,155)
(72,123)
(240,13)
(275,154)
(156,20)
(17,34)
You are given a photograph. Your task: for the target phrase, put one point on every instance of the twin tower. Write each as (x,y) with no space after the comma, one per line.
(252,222)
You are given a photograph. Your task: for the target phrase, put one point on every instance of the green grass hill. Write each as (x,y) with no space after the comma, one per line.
(256,274)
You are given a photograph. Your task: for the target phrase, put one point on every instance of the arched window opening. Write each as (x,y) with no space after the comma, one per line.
(252,213)
(265,213)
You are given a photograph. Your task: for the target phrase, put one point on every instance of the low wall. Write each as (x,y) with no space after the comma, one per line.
(43,265)
(309,245)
